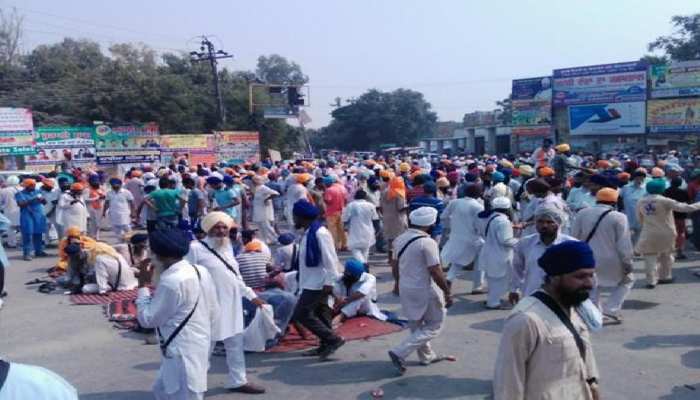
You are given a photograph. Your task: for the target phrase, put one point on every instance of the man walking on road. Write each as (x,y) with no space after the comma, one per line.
(183,310)
(545,350)
(416,267)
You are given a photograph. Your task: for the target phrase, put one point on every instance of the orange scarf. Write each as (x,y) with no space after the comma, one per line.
(396,188)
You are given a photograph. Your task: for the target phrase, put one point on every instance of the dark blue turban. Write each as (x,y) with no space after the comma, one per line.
(304,209)
(286,238)
(566,257)
(228,180)
(169,243)
(213,180)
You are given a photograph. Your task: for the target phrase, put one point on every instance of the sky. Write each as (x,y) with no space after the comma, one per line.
(461,54)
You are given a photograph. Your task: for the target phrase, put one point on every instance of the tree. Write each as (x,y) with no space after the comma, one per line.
(401,117)
(275,69)
(684,44)
(10,35)
(506,108)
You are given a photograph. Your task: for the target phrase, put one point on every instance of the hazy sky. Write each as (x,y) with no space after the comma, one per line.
(462,55)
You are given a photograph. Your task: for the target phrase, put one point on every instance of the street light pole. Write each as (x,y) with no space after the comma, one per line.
(209,53)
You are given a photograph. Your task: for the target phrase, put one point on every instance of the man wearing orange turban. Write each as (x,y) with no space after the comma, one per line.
(32,221)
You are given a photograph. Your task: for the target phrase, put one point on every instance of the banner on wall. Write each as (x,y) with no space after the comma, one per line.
(16,132)
(534,130)
(238,146)
(673,116)
(678,79)
(598,84)
(53,143)
(196,148)
(607,119)
(127,144)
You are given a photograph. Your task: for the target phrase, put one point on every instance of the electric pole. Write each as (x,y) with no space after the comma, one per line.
(207,52)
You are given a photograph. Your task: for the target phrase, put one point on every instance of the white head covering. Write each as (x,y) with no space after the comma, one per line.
(214,218)
(148,176)
(550,212)
(499,190)
(13,180)
(423,216)
(500,203)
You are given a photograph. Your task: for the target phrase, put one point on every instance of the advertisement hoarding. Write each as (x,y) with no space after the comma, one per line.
(16,131)
(196,148)
(607,119)
(599,84)
(127,144)
(678,79)
(238,146)
(673,116)
(53,143)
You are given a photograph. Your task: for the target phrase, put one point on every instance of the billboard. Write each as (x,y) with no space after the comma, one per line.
(481,118)
(678,79)
(677,115)
(598,84)
(52,144)
(16,131)
(532,101)
(607,119)
(127,144)
(534,130)
(196,148)
(238,146)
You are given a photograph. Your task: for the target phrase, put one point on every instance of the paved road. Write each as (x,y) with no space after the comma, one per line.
(655,354)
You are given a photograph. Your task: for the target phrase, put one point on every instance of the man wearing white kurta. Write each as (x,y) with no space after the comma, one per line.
(607,232)
(9,207)
(464,242)
(359,215)
(263,210)
(112,273)
(418,271)
(120,207)
(356,293)
(73,208)
(183,289)
(496,257)
(318,271)
(527,274)
(215,253)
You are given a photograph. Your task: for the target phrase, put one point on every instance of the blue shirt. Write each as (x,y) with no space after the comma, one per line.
(429,201)
(32,220)
(224,197)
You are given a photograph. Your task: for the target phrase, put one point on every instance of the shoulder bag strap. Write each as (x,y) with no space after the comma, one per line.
(595,227)
(4,370)
(413,239)
(230,268)
(552,305)
(165,343)
(488,224)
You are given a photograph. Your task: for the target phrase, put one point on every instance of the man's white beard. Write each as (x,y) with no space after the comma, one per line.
(220,242)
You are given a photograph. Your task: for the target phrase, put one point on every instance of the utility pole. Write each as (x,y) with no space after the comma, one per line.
(209,53)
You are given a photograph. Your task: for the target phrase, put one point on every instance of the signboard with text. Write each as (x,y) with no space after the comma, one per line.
(678,79)
(127,144)
(54,143)
(16,131)
(238,146)
(597,84)
(196,148)
(607,119)
(674,116)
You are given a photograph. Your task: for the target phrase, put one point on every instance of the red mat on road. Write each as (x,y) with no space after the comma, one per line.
(353,329)
(110,297)
(122,313)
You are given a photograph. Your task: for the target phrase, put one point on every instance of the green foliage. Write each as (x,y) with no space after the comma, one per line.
(375,118)
(73,82)
(684,44)
(275,69)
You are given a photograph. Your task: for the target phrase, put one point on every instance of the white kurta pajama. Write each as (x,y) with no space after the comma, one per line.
(464,243)
(264,213)
(612,246)
(73,213)
(527,274)
(183,373)
(367,285)
(119,211)
(106,273)
(421,301)
(496,256)
(230,290)
(295,192)
(359,214)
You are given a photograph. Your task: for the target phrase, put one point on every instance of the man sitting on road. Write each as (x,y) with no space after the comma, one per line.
(355,293)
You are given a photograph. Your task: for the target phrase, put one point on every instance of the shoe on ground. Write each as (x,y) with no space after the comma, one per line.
(650,286)
(248,388)
(330,349)
(152,339)
(479,291)
(398,362)
(27,258)
(43,254)
(665,281)
(681,256)
(3,294)
(313,352)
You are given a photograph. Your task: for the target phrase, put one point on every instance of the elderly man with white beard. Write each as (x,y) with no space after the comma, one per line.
(215,253)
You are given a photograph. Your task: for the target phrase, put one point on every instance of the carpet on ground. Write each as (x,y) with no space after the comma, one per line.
(109,297)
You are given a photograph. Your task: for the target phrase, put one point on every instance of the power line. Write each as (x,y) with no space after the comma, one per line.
(209,53)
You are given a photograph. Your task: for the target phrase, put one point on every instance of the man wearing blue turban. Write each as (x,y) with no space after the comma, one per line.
(182,311)
(355,293)
(545,349)
(317,263)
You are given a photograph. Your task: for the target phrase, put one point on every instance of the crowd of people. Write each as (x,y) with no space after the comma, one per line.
(550,236)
